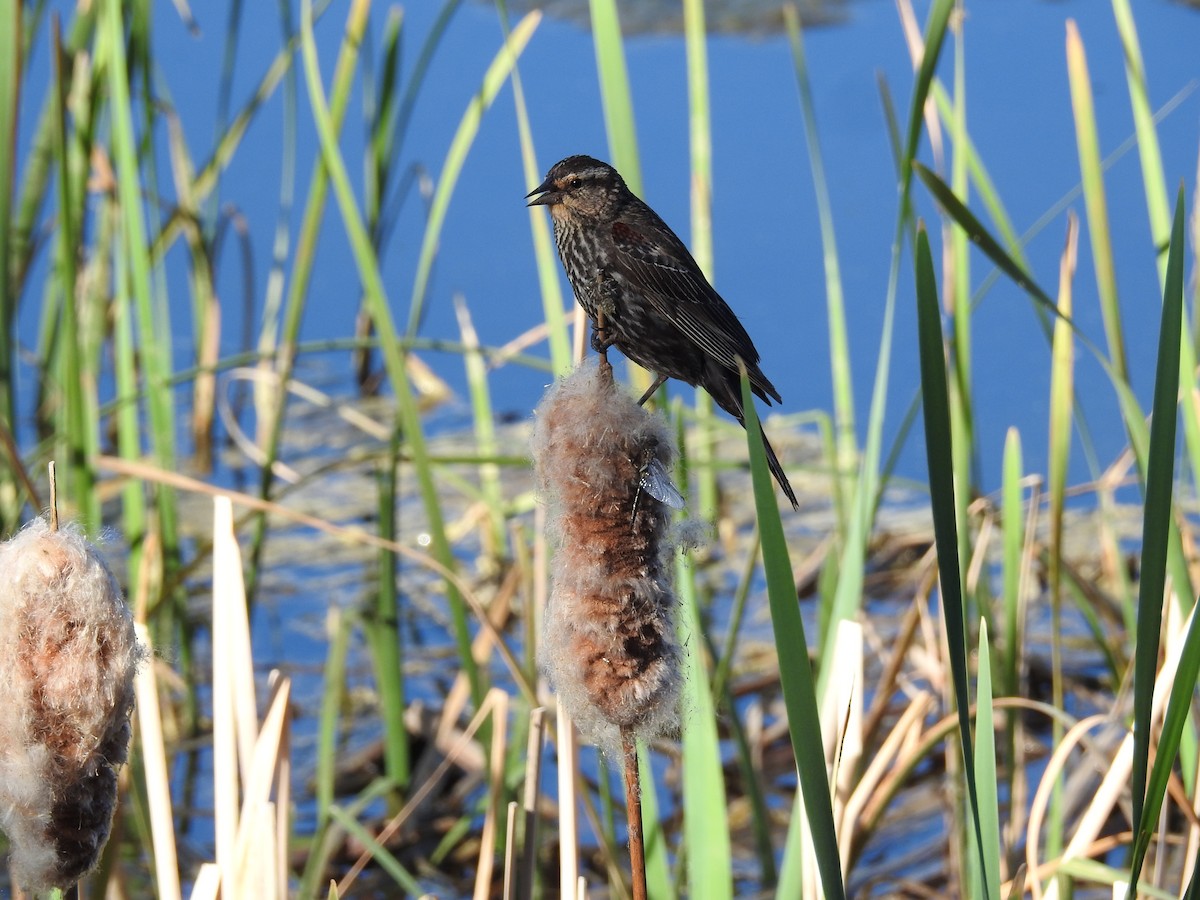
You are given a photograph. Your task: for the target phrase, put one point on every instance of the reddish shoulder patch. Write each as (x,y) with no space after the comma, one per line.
(627,234)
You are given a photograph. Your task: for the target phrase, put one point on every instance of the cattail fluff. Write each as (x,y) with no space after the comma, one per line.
(68,655)
(609,646)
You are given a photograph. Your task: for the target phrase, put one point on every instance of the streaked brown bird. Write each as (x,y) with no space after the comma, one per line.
(644,292)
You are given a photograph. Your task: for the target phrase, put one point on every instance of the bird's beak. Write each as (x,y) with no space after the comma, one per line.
(548,197)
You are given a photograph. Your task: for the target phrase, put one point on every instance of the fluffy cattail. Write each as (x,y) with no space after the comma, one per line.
(609,646)
(68,655)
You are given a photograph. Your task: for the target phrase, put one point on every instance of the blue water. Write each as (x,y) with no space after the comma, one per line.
(767,247)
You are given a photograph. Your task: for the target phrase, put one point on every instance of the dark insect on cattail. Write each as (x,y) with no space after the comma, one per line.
(653,479)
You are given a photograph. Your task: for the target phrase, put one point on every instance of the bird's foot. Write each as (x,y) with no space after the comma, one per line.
(600,339)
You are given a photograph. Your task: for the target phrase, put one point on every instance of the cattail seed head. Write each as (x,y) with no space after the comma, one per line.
(609,646)
(68,655)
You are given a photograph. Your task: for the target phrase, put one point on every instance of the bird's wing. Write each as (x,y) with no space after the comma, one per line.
(661,268)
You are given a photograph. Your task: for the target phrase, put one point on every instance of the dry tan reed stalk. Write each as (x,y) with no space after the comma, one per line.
(609,645)
(68,655)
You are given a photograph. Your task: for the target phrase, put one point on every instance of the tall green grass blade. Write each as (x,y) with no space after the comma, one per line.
(383,631)
(958,259)
(268,333)
(10,94)
(1156,534)
(233,32)
(280,349)
(1096,203)
(658,857)
(456,156)
(981,237)
(1012,523)
(1178,711)
(338,629)
(614,92)
(845,436)
(133,506)
(852,562)
(381,101)
(543,246)
(21,228)
(1153,180)
(936,401)
(935,34)
(700,136)
(380,855)
(74,432)
(1131,411)
(617,100)
(154,340)
(705,826)
(986,776)
(981,180)
(380,311)
(485,431)
(1062,392)
(795,673)
(228,143)
(416,79)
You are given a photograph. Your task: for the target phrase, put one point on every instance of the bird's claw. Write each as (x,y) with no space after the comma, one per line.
(600,339)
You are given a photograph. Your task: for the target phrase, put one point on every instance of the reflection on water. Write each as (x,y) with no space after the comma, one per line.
(721,16)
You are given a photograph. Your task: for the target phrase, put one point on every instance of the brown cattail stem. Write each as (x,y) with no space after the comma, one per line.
(605,365)
(633,812)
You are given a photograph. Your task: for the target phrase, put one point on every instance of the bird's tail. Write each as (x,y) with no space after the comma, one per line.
(726,390)
(777,469)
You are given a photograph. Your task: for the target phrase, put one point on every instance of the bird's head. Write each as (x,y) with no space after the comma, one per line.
(580,187)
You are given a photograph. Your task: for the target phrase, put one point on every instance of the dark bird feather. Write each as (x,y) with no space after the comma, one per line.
(632,272)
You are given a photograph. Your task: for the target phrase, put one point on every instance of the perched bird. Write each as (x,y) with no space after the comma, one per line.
(644,292)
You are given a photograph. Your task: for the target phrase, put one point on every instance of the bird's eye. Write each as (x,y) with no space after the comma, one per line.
(574,183)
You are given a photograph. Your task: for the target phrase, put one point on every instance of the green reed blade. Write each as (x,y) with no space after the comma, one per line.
(700,147)
(982,238)
(456,157)
(380,855)
(1094,198)
(383,631)
(380,311)
(705,824)
(484,421)
(939,450)
(1014,572)
(658,857)
(272,402)
(1062,392)
(224,94)
(10,93)
(1153,180)
(795,671)
(543,247)
(381,100)
(845,436)
(985,765)
(1155,542)
(615,95)
(154,332)
(416,78)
